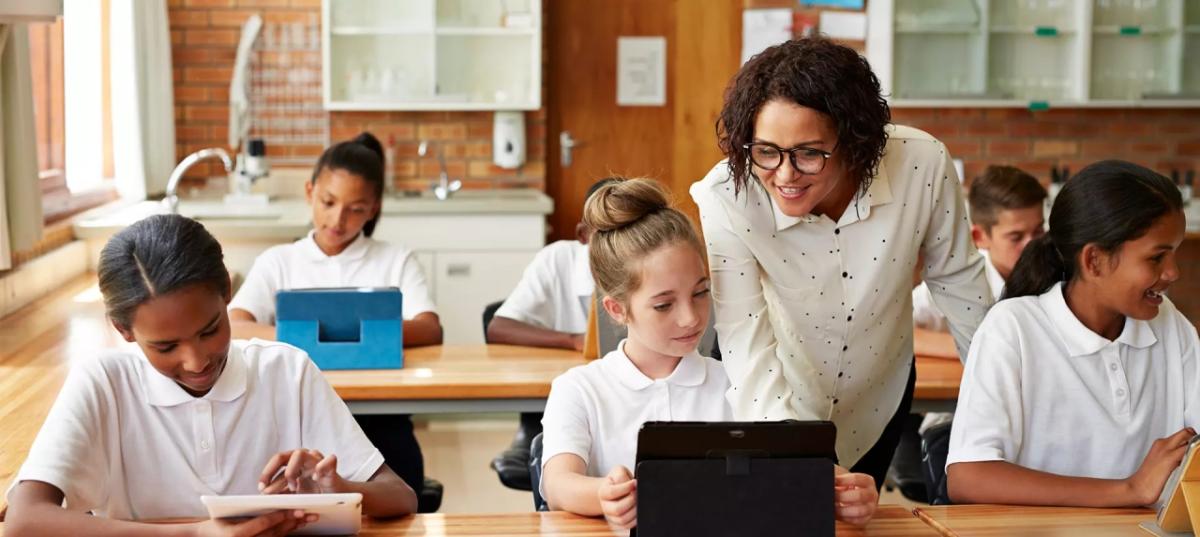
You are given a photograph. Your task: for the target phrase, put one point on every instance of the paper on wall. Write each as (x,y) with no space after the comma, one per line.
(844,25)
(641,71)
(762,28)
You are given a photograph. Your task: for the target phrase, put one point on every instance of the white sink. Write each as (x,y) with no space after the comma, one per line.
(286,218)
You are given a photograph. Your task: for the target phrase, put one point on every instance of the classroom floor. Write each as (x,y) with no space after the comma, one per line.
(457,452)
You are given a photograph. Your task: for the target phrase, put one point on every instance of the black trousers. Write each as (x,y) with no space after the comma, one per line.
(877,460)
(393,435)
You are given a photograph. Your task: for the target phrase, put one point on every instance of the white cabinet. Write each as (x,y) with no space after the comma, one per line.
(469,260)
(432,54)
(1036,53)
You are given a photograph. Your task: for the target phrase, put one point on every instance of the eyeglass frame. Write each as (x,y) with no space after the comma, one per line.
(791,153)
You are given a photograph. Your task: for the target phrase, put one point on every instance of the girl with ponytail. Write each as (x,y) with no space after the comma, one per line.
(649,268)
(1081,387)
(346,195)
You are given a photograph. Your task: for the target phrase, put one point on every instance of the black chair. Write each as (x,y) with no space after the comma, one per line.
(489,311)
(430,498)
(935,447)
(535,473)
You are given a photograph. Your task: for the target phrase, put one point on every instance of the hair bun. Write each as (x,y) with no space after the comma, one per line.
(623,202)
(370,142)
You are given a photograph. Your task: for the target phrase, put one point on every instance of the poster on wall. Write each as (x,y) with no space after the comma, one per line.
(642,71)
(762,28)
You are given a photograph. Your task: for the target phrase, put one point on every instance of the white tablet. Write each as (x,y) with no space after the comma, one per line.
(340,514)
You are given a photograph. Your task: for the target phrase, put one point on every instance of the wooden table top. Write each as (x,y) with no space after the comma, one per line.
(890,521)
(937,378)
(1004,521)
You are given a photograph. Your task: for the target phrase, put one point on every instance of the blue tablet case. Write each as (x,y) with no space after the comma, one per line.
(343,328)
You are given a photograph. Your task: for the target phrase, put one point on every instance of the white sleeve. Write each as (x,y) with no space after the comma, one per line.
(257,293)
(71,451)
(327,426)
(988,419)
(414,288)
(747,340)
(925,313)
(953,269)
(1190,358)
(565,422)
(531,300)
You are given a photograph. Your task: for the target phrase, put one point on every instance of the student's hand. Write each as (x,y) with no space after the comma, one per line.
(577,342)
(618,498)
(1165,455)
(273,524)
(305,471)
(854,496)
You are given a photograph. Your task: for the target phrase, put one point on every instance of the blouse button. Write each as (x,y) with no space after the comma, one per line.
(1112,366)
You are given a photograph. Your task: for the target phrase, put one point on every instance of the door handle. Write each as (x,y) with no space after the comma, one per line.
(458,269)
(566,144)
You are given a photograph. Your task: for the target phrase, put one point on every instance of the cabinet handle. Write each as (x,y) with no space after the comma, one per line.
(458,269)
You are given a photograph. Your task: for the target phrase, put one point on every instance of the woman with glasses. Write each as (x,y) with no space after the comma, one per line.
(813,226)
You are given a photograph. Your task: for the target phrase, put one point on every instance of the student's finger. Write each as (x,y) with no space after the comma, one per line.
(857,511)
(326,466)
(295,469)
(623,473)
(278,486)
(261,523)
(625,504)
(854,480)
(1181,437)
(272,467)
(616,492)
(628,519)
(853,496)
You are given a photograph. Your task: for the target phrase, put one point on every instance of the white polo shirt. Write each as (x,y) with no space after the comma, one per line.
(815,316)
(1043,391)
(553,290)
(927,315)
(595,410)
(302,265)
(127,442)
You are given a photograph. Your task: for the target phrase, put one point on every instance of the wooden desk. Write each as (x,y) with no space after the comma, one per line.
(936,389)
(891,521)
(1003,521)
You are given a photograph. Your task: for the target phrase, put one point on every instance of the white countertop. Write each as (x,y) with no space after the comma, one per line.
(290,218)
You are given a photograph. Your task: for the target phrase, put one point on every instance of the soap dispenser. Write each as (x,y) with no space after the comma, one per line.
(508,140)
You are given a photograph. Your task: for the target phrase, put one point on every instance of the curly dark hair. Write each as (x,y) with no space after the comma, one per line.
(815,73)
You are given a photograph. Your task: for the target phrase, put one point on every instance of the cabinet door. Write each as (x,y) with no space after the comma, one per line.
(468,281)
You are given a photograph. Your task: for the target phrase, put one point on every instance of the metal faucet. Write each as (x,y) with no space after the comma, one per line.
(171,200)
(445,186)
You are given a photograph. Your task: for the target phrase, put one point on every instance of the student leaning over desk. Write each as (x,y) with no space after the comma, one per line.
(141,433)
(346,195)
(648,265)
(1081,387)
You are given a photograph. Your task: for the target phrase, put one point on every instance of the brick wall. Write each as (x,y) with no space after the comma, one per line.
(204,36)
(1163,139)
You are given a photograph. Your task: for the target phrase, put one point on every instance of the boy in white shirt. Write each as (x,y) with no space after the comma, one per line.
(141,434)
(548,308)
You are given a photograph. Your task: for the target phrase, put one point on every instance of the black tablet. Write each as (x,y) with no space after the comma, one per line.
(660,440)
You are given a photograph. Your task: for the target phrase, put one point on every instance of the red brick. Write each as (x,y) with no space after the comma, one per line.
(1190,127)
(1143,150)
(442,131)
(1082,130)
(479,130)
(1032,129)
(191,55)
(1007,148)
(191,133)
(1129,129)
(1055,148)
(428,167)
(984,128)
(288,17)
(1007,114)
(1189,149)
(211,37)
(262,3)
(209,112)
(230,17)
(959,113)
(307,4)
(216,75)
(964,148)
(208,3)
(191,94)
(187,18)
(1101,149)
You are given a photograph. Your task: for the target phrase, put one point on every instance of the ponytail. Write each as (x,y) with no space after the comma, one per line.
(1037,270)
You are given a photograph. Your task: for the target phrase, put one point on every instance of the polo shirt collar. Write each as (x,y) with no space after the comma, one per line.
(879,193)
(163,391)
(356,250)
(691,370)
(994,279)
(1079,339)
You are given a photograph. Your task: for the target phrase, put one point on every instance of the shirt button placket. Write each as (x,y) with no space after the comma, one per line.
(206,453)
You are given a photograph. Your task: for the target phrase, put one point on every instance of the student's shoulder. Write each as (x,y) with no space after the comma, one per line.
(1017,315)
(1170,322)
(380,249)
(581,377)
(276,356)
(715,371)
(560,251)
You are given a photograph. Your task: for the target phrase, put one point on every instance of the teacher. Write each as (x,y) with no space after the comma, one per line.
(813,223)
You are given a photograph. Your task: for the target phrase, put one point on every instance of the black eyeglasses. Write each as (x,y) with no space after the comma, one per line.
(805,160)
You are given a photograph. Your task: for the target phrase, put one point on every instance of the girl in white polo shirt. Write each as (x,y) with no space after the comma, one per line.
(1081,387)
(346,192)
(648,264)
(141,433)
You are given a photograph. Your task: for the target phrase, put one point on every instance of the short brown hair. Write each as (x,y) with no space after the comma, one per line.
(1002,188)
(631,218)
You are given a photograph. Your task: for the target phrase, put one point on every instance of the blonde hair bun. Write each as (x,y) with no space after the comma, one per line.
(624,202)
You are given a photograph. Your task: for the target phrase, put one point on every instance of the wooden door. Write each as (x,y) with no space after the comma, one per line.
(675,143)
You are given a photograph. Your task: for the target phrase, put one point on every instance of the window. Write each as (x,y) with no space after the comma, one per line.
(46,49)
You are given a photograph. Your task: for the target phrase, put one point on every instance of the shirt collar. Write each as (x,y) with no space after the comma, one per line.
(879,193)
(994,279)
(583,284)
(691,370)
(163,391)
(1079,339)
(355,250)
